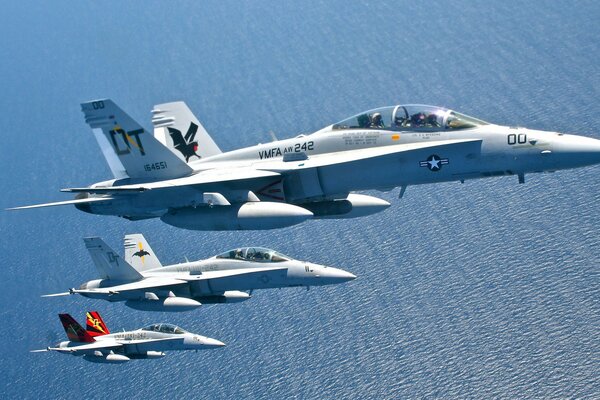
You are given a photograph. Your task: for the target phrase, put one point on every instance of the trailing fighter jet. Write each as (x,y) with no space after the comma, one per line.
(143,283)
(97,344)
(189,183)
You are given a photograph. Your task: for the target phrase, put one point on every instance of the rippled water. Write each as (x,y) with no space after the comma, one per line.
(487,289)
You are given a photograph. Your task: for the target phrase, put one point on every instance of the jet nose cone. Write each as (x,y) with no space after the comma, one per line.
(336,275)
(577,151)
(210,342)
(347,276)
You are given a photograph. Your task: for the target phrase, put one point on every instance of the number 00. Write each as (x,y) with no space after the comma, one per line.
(521,138)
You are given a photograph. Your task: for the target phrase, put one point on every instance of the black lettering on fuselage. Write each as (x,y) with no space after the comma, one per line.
(274,152)
(278,152)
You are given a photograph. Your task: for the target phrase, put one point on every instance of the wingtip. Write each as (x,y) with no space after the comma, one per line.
(17,208)
(58,294)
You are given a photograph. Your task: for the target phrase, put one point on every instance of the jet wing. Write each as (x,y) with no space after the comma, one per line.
(62,203)
(140,345)
(236,279)
(98,345)
(103,190)
(216,175)
(145,284)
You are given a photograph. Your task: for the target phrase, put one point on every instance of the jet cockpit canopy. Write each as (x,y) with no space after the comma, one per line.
(408,118)
(164,328)
(255,254)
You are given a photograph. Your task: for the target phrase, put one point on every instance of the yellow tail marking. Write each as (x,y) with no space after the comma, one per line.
(141,248)
(95,323)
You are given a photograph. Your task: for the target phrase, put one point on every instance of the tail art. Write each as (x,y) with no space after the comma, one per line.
(176,127)
(109,264)
(74,331)
(95,326)
(139,254)
(186,146)
(130,150)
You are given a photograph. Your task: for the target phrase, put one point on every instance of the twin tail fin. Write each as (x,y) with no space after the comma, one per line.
(130,150)
(95,326)
(74,331)
(139,254)
(177,128)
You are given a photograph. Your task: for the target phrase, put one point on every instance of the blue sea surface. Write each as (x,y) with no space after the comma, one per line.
(480,290)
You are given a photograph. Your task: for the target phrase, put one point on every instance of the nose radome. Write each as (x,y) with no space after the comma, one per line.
(338,275)
(577,150)
(210,342)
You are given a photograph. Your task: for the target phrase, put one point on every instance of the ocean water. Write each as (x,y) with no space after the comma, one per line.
(485,289)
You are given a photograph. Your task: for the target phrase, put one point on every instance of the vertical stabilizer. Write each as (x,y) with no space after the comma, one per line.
(95,326)
(177,128)
(139,254)
(109,264)
(129,149)
(74,331)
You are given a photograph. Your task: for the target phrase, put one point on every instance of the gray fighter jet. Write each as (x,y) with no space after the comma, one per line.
(180,175)
(97,344)
(144,284)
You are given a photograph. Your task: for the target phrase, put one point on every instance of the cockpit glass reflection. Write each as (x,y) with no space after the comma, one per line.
(254,254)
(409,118)
(164,328)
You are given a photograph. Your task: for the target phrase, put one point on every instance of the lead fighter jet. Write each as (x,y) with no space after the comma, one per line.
(97,344)
(189,183)
(143,283)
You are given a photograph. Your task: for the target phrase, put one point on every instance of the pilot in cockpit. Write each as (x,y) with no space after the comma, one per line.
(432,121)
(417,119)
(400,121)
(376,121)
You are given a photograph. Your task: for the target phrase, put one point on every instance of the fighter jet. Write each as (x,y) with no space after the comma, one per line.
(143,283)
(189,183)
(97,344)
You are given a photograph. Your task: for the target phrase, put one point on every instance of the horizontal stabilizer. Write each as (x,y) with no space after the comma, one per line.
(64,203)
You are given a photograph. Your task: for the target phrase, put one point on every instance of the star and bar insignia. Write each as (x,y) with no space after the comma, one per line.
(434,162)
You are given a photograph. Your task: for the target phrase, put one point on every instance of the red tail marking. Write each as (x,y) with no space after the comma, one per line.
(74,331)
(95,326)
